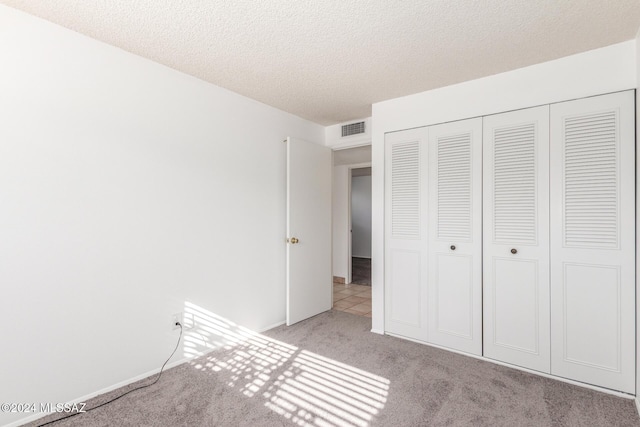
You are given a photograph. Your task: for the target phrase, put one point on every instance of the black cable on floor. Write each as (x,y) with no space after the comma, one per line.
(123,394)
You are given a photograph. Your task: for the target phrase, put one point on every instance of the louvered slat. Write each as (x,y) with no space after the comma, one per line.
(405,190)
(591,180)
(515,184)
(454,187)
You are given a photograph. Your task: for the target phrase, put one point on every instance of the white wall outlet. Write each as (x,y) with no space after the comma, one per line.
(177,318)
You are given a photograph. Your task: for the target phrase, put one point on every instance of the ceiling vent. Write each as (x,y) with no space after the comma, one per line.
(352,129)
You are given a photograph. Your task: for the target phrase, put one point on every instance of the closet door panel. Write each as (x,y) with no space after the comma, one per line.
(515,309)
(516,238)
(404,290)
(451,310)
(593,240)
(406,233)
(455,235)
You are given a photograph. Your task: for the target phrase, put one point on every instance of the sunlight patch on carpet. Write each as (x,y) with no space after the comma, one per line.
(303,387)
(315,390)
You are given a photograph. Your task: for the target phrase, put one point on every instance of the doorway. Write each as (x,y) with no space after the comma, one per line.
(352,239)
(360,216)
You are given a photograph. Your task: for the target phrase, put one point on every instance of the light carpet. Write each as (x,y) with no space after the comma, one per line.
(330,370)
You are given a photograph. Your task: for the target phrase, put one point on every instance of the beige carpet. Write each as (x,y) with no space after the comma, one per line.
(330,370)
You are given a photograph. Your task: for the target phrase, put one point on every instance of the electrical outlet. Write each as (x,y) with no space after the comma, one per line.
(177,318)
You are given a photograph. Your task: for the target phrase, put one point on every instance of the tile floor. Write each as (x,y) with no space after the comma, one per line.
(354,299)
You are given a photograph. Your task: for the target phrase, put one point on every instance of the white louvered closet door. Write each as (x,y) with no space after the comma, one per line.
(516,238)
(406,233)
(455,235)
(593,240)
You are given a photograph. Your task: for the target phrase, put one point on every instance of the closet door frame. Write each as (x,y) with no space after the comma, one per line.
(414,318)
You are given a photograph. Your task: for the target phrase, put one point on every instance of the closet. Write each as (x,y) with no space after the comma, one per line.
(512,236)
(433,244)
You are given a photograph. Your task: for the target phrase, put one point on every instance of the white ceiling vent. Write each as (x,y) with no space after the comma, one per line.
(352,129)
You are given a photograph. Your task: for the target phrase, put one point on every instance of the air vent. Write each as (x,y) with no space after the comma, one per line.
(352,129)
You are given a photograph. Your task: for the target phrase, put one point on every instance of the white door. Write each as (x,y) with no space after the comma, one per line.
(593,240)
(309,278)
(405,233)
(455,235)
(516,238)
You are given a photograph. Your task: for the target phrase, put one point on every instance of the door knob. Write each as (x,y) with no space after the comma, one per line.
(453,247)
(294,240)
(514,251)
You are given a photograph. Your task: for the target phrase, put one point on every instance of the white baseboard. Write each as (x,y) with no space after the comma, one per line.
(275,325)
(124,383)
(637,405)
(377,331)
(86,397)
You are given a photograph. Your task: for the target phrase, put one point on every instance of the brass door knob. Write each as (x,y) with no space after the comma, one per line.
(294,240)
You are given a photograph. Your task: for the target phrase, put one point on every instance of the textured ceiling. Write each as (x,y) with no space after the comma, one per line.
(329,60)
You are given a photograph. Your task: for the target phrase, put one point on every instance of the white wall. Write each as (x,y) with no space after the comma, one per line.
(127,189)
(335,140)
(595,72)
(361,216)
(352,156)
